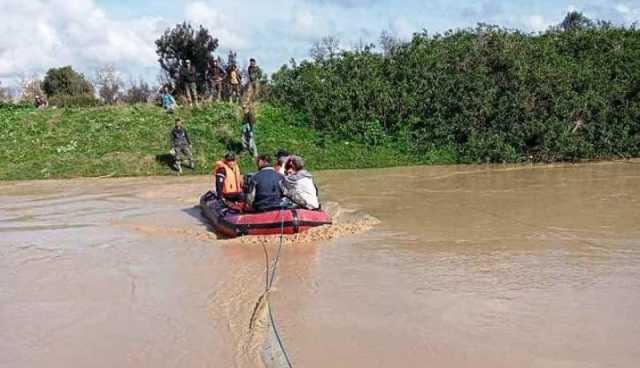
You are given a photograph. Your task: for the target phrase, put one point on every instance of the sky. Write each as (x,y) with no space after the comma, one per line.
(88,34)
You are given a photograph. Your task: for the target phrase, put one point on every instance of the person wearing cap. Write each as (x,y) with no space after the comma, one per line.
(255,75)
(282,156)
(228,179)
(298,186)
(181,146)
(189,78)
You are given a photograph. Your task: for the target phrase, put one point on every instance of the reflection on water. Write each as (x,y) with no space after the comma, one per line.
(470,267)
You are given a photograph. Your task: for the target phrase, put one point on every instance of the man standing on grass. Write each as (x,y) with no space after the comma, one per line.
(181,147)
(216,77)
(189,78)
(255,75)
(248,138)
(235,83)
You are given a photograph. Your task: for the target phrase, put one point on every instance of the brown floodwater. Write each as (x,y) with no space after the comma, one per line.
(470,266)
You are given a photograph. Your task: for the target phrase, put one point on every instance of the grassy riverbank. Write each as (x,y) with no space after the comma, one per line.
(134,141)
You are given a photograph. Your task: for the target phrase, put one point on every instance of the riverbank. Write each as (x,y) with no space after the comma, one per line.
(125,141)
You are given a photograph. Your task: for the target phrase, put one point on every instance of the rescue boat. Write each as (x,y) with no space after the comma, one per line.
(231,223)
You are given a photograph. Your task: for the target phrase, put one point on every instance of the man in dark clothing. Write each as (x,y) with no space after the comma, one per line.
(181,146)
(216,78)
(40,103)
(266,194)
(189,79)
(255,75)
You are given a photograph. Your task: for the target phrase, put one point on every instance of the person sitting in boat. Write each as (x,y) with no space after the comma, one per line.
(228,178)
(282,156)
(298,186)
(266,193)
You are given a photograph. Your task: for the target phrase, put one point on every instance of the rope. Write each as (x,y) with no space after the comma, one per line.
(269,278)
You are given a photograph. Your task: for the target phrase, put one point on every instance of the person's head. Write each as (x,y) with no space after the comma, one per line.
(230,157)
(187,62)
(233,66)
(263,161)
(281,154)
(294,164)
(215,62)
(38,97)
(252,62)
(178,123)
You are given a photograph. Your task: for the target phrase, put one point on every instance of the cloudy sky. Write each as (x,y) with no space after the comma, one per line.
(38,34)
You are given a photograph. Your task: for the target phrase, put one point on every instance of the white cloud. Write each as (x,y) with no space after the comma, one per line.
(536,23)
(226,27)
(50,33)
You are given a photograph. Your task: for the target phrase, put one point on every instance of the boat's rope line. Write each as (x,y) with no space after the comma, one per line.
(269,278)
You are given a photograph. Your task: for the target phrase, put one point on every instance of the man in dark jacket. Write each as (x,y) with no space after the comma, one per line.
(189,78)
(181,146)
(255,75)
(216,78)
(266,194)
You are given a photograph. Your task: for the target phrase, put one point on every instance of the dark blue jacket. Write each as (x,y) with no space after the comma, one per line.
(267,186)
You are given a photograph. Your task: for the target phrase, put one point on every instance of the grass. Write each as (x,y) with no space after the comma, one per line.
(134,141)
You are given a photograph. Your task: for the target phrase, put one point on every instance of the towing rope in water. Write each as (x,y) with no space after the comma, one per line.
(269,278)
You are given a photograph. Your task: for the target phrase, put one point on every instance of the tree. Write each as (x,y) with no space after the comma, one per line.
(575,21)
(109,84)
(389,43)
(31,87)
(183,43)
(5,93)
(66,81)
(326,48)
(139,93)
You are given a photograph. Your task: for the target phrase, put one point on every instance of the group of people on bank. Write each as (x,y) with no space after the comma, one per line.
(284,183)
(219,82)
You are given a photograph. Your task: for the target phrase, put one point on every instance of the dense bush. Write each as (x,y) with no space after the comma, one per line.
(66,81)
(488,93)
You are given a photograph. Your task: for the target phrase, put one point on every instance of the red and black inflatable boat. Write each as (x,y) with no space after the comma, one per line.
(231,223)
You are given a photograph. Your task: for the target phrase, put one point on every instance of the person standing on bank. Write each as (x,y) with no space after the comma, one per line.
(255,75)
(235,82)
(216,78)
(248,137)
(181,147)
(189,77)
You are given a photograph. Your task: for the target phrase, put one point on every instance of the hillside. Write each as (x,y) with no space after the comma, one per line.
(134,141)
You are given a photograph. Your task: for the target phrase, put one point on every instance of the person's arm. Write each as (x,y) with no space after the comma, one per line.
(219,181)
(186,136)
(172,139)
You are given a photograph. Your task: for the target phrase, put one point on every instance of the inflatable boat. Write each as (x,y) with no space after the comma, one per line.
(232,223)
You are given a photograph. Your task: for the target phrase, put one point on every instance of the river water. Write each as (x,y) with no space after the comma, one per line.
(492,266)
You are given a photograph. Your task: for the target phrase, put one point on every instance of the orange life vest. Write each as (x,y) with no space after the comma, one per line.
(232,179)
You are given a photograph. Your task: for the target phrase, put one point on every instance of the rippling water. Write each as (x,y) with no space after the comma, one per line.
(470,267)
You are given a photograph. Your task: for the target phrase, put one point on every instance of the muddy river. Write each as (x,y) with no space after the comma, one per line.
(469,267)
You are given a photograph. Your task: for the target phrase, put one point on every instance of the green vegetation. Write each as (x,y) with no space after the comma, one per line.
(134,140)
(484,95)
(65,87)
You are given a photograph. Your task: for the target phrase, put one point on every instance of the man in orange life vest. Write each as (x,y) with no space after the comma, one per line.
(228,178)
